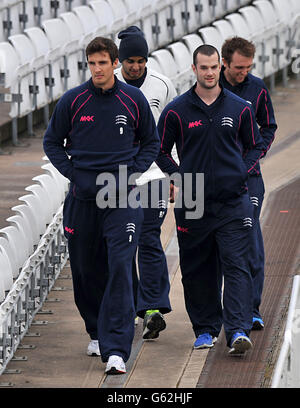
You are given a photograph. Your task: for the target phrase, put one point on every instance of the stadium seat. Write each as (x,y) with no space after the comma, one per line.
(17,242)
(230,6)
(9,18)
(59,35)
(153,64)
(167,65)
(10,250)
(264,40)
(204,10)
(35,204)
(62,182)
(218,9)
(192,41)
(27,54)
(122,17)
(182,58)
(53,56)
(239,25)
(107,22)
(78,34)
(6,273)
(287,35)
(27,212)
(44,199)
(272,33)
(162,23)
(210,35)
(16,77)
(225,29)
(49,184)
(2,283)
(178,19)
(23,226)
(135,10)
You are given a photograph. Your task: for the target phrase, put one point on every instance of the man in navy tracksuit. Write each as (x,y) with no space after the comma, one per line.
(211,127)
(97,129)
(238,55)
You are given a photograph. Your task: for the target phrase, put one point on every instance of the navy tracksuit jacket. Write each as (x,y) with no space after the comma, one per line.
(211,140)
(253,90)
(92,132)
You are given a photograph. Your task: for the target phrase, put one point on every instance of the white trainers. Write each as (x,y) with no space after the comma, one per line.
(93,348)
(136,321)
(115,365)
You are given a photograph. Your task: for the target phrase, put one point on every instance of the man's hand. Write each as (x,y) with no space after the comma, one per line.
(173,193)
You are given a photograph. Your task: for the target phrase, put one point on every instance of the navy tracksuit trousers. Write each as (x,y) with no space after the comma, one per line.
(153,286)
(102,244)
(256,191)
(215,244)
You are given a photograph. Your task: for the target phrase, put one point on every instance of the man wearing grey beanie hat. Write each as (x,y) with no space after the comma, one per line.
(152,298)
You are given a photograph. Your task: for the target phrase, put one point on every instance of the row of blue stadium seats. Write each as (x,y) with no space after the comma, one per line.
(22,236)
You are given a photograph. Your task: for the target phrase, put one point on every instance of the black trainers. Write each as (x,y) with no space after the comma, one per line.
(154,322)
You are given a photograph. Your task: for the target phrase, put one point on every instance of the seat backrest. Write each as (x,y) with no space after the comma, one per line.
(181,55)
(254,21)
(104,13)
(153,64)
(212,36)
(23,46)
(239,25)
(57,32)
(166,61)
(39,40)
(9,62)
(49,184)
(35,203)
(27,212)
(88,18)
(225,29)
(23,226)
(267,12)
(19,251)
(61,181)
(192,41)
(6,273)
(45,200)
(74,25)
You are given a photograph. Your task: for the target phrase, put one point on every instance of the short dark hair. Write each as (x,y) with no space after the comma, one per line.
(205,49)
(100,44)
(239,44)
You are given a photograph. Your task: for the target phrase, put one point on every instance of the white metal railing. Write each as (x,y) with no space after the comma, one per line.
(287,369)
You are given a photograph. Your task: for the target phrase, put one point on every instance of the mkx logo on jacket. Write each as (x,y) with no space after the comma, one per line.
(87,119)
(182,229)
(195,124)
(70,230)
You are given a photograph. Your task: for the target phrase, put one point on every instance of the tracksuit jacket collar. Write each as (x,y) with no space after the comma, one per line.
(227,85)
(196,100)
(100,92)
